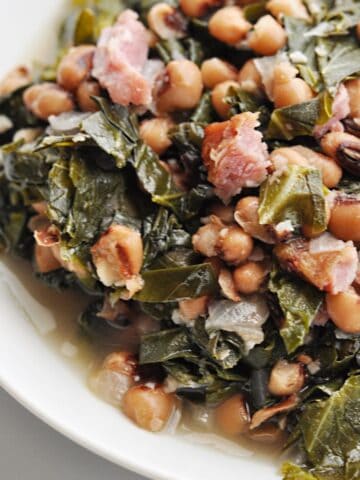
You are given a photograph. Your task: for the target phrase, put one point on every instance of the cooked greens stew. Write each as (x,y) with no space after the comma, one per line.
(194,168)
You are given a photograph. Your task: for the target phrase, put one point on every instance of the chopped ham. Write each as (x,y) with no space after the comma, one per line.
(120,58)
(235,155)
(327,263)
(340,110)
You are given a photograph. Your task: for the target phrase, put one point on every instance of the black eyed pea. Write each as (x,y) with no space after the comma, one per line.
(75,67)
(150,408)
(181,87)
(47,99)
(268,36)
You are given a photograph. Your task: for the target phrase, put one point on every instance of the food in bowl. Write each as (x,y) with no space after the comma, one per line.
(194,168)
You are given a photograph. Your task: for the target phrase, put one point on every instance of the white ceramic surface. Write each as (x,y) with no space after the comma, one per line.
(39,377)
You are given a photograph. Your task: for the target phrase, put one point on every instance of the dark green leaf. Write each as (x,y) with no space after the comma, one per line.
(299,120)
(180,257)
(154,178)
(242,101)
(299,302)
(224,348)
(339,58)
(61,191)
(165,345)
(96,198)
(173,284)
(254,11)
(330,432)
(337,20)
(120,117)
(204,113)
(162,231)
(187,138)
(298,196)
(25,167)
(173,49)
(108,138)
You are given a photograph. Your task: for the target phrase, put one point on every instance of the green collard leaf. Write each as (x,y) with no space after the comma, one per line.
(338,59)
(204,113)
(24,167)
(242,101)
(294,472)
(61,190)
(187,140)
(296,196)
(162,232)
(120,117)
(254,11)
(173,284)
(173,49)
(83,201)
(191,361)
(338,20)
(302,51)
(299,302)
(154,177)
(108,138)
(194,50)
(179,257)
(298,120)
(330,433)
(188,136)
(170,49)
(165,345)
(224,348)
(96,198)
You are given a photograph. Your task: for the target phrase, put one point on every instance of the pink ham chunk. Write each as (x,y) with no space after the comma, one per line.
(235,155)
(326,262)
(120,58)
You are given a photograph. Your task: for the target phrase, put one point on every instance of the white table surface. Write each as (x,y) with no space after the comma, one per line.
(31,450)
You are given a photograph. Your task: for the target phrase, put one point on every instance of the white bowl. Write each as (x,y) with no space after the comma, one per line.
(34,371)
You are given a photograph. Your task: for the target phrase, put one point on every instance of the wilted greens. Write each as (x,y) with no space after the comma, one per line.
(297,196)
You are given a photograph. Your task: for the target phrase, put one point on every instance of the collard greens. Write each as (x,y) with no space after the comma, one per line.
(330,433)
(299,303)
(296,196)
